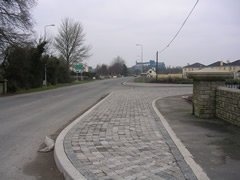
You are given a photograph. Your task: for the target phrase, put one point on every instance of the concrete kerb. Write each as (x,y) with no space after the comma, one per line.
(197,170)
(71,173)
(126,83)
(63,163)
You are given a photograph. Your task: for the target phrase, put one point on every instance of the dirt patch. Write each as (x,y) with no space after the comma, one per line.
(43,167)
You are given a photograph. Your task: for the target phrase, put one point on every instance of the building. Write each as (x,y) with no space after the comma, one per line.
(151,64)
(144,66)
(219,65)
(235,68)
(192,67)
(151,73)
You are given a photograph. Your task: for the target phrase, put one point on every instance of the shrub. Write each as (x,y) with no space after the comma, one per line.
(174,80)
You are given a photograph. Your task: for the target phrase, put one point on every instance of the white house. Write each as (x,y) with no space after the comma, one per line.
(151,73)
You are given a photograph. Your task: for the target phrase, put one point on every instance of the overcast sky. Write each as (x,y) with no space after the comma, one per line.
(114,27)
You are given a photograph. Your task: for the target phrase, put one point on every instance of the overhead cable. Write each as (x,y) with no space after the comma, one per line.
(180,28)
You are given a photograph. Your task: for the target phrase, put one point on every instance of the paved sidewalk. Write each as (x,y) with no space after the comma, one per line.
(123,138)
(213,143)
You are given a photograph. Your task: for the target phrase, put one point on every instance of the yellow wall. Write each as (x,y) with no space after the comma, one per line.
(185,70)
(169,75)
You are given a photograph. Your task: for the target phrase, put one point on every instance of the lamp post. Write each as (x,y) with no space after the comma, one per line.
(156,66)
(141,53)
(45,27)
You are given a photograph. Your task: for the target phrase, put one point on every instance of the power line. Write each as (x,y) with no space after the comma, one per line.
(179,28)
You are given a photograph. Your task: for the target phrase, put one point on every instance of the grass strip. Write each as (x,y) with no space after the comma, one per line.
(44,88)
(138,80)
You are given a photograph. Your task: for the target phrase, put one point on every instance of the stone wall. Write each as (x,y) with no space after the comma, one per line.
(228,105)
(204,94)
(1,89)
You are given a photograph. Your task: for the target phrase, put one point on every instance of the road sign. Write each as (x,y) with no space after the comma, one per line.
(79,67)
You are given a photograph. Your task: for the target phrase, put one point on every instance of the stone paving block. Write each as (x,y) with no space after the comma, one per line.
(123,138)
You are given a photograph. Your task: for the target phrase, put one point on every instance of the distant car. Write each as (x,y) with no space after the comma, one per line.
(114,76)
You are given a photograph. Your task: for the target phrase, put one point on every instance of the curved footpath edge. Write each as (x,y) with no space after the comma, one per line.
(197,170)
(155,84)
(63,163)
(71,173)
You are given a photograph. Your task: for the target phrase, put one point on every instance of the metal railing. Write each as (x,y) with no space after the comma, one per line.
(235,86)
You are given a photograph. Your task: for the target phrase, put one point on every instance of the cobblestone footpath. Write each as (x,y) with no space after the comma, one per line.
(123,138)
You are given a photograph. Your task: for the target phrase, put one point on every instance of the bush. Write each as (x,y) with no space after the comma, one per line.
(173,80)
(90,75)
(16,68)
(24,68)
(233,81)
(57,70)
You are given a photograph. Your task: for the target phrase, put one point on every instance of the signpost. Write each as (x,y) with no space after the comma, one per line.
(79,69)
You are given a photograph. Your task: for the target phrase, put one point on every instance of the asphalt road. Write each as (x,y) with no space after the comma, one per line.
(26,119)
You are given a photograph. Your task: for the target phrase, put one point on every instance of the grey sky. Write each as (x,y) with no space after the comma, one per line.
(114,27)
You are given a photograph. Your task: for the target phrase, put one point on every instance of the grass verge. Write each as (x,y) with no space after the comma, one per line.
(138,80)
(44,88)
(164,80)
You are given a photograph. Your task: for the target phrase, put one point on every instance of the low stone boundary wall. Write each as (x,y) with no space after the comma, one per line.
(3,87)
(228,105)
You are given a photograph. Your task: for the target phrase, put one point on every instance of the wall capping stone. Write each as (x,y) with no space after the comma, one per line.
(209,74)
(228,89)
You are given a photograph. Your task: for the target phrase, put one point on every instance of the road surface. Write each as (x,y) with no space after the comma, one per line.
(27,119)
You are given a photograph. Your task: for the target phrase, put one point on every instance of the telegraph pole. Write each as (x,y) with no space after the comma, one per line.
(156,66)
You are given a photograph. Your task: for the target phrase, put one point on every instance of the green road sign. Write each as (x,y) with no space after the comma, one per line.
(78,67)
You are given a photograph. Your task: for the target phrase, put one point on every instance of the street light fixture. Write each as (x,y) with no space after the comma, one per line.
(141,53)
(45,27)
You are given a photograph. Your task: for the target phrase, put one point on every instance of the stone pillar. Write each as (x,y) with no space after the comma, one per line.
(205,83)
(3,86)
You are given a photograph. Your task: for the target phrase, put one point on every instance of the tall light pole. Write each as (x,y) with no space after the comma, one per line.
(156,66)
(45,27)
(141,53)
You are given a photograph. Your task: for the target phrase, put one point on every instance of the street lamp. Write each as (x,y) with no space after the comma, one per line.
(45,27)
(141,53)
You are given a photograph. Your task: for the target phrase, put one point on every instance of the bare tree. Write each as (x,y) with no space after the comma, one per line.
(171,70)
(118,66)
(70,42)
(102,70)
(15,21)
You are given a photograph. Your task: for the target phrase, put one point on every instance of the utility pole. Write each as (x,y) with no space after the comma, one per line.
(156,66)
(141,55)
(45,27)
